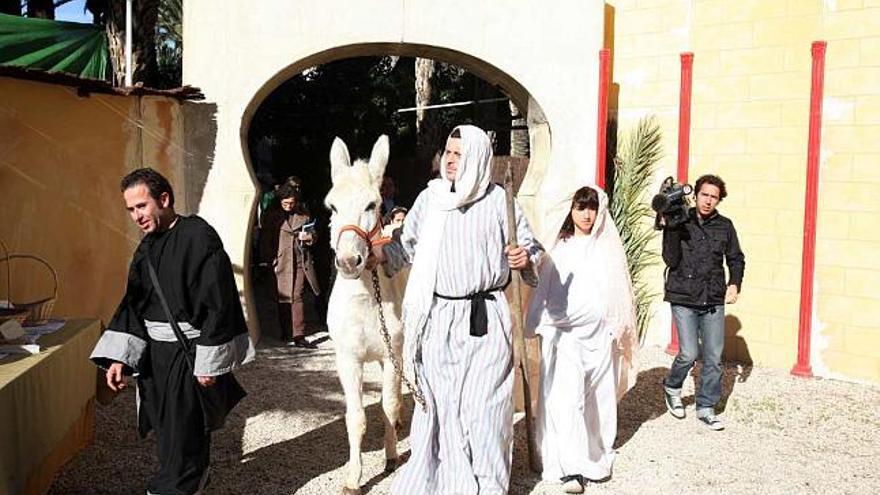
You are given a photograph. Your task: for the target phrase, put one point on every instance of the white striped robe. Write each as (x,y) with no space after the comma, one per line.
(462,444)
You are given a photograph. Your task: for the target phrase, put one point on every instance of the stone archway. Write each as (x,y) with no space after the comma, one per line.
(537,124)
(237,55)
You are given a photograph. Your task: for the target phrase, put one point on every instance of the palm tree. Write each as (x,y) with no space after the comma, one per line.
(42,9)
(10,7)
(111,15)
(634,169)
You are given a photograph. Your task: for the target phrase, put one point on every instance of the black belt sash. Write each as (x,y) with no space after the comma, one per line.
(479,315)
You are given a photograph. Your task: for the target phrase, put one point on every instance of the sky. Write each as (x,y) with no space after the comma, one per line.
(73,12)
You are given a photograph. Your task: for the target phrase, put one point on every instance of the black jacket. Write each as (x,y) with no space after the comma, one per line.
(694,254)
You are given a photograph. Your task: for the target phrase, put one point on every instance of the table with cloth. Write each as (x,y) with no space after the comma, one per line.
(47,407)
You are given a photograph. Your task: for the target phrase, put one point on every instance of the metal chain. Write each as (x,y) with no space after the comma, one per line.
(398,369)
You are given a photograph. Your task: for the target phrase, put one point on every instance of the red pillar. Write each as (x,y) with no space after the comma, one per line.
(602,121)
(684,115)
(808,262)
(684,143)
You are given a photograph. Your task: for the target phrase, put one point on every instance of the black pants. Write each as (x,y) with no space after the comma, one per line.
(170,407)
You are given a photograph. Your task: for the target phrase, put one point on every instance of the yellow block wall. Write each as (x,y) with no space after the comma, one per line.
(750,117)
(61,159)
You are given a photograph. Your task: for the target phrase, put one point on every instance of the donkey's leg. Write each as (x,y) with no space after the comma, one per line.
(391,401)
(351,375)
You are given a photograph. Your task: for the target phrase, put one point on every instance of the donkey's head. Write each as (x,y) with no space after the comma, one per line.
(355,202)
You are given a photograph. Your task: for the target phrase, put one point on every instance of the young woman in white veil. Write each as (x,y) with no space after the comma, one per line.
(583,310)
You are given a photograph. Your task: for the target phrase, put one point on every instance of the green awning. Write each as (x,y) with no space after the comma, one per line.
(54,46)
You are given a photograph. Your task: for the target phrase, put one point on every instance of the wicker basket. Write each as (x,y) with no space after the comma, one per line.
(35,311)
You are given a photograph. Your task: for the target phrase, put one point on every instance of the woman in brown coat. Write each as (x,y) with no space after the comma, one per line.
(288,248)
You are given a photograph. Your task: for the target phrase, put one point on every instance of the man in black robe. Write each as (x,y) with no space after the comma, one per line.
(196,277)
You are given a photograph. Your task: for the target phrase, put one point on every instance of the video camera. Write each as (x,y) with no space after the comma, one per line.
(671,204)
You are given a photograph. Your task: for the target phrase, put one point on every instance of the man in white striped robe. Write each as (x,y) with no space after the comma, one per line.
(458,326)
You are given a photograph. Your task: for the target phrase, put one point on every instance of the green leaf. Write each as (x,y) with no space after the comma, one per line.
(79,49)
(634,169)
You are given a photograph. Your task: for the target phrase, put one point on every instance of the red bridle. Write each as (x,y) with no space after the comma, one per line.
(372,238)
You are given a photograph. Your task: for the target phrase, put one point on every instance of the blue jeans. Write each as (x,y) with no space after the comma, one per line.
(700,331)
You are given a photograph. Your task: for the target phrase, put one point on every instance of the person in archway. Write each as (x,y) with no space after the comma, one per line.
(393,220)
(583,310)
(457,323)
(388,190)
(286,247)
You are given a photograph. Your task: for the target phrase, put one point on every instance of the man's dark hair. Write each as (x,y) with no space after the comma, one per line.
(584,198)
(287,191)
(713,180)
(156,183)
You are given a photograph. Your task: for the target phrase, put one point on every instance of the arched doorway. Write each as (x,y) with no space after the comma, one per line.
(313,166)
(238,54)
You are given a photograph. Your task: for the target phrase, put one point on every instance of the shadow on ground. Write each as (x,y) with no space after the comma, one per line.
(290,432)
(305,409)
(645,401)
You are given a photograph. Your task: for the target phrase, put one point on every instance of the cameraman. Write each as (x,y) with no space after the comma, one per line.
(694,252)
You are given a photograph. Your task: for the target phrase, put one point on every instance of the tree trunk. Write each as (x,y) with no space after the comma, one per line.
(427,128)
(519,135)
(42,9)
(145,13)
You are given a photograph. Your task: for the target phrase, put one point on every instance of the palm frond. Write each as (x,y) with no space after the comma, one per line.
(169,42)
(634,169)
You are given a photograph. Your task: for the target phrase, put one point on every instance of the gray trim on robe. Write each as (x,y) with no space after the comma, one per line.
(162,331)
(118,347)
(214,360)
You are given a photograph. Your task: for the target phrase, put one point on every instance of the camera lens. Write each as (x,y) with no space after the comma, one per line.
(660,202)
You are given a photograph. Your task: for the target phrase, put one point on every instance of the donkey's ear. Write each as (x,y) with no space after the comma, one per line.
(339,158)
(379,158)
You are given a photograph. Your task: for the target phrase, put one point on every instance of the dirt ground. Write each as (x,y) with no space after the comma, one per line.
(784,436)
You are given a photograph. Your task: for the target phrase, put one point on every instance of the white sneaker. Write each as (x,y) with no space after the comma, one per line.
(712,421)
(573,485)
(674,404)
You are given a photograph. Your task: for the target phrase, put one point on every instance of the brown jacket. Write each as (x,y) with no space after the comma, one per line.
(282,250)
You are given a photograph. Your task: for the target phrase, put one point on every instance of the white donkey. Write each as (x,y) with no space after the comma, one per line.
(353,313)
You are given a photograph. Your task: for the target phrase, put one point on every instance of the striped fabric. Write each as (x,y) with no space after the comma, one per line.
(462,444)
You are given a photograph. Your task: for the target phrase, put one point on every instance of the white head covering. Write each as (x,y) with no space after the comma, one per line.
(609,257)
(472,176)
(472,180)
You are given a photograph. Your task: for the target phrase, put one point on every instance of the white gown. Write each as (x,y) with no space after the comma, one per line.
(577,414)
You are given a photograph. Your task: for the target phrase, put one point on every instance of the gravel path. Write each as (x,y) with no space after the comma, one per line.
(784,435)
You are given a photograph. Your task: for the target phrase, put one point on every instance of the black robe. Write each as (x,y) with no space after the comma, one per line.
(196,275)
(197,278)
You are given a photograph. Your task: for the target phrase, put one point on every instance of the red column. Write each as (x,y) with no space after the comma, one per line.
(684,143)
(808,262)
(684,115)
(602,121)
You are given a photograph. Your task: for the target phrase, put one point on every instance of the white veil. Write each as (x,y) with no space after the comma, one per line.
(619,315)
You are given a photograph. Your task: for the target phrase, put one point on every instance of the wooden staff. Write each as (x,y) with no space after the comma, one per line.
(519,343)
